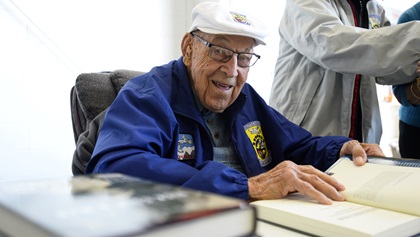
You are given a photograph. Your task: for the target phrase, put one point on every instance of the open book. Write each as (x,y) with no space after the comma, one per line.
(381,200)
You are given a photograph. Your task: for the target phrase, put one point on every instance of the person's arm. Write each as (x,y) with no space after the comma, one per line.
(409,94)
(327,41)
(288,177)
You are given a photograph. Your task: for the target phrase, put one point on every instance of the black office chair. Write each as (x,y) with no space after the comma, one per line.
(90,97)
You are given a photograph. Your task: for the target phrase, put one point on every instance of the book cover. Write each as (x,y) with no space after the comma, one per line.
(394,161)
(118,205)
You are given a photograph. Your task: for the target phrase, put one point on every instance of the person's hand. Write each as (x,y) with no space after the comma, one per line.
(412,90)
(418,68)
(360,151)
(288,177)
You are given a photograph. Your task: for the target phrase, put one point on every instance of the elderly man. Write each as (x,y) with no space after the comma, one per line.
(195,122)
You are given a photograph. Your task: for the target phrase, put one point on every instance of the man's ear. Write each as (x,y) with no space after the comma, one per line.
(186,48)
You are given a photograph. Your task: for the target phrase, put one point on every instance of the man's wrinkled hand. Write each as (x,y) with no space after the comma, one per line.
(288,177)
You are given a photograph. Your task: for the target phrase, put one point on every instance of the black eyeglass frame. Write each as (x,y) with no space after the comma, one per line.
(229,57)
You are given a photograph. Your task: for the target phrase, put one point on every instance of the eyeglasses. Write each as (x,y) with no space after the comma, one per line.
(221,54)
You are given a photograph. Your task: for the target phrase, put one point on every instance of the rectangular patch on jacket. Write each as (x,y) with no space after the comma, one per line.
(255,135)
(186,147)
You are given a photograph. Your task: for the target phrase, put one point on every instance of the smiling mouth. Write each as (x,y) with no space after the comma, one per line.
(222,86)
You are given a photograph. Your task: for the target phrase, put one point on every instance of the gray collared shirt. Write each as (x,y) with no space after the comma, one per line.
(223,150)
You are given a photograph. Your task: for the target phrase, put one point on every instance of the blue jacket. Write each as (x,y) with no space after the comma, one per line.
(409,114)
(154,116)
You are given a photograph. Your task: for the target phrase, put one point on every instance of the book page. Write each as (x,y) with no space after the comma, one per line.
(385,186)
(339,219)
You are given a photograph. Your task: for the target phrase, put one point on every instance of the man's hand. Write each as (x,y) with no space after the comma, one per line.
(360,151)
(288,177)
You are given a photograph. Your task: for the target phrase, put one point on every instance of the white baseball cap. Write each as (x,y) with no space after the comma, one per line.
(216,18)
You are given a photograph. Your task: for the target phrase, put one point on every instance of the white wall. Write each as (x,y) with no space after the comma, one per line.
(45,44)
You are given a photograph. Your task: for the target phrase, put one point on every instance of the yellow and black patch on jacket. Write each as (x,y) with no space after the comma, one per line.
(256,136)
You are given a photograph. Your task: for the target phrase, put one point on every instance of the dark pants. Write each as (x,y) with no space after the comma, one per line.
(409,141)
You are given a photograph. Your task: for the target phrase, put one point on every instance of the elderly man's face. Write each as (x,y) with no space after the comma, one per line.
(218,84)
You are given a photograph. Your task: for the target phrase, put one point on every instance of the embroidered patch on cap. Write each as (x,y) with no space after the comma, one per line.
(186,147)
(255,135)
(375,21)
(239,18)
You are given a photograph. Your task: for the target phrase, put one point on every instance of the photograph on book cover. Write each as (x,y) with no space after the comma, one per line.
(117,205)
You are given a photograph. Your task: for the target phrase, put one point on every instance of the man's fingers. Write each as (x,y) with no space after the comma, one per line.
(355,148)
(310,170)
(308,190)
(319,186)
(287,177)
(372,149)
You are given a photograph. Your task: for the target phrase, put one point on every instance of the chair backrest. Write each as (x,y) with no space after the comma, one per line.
(91,95)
